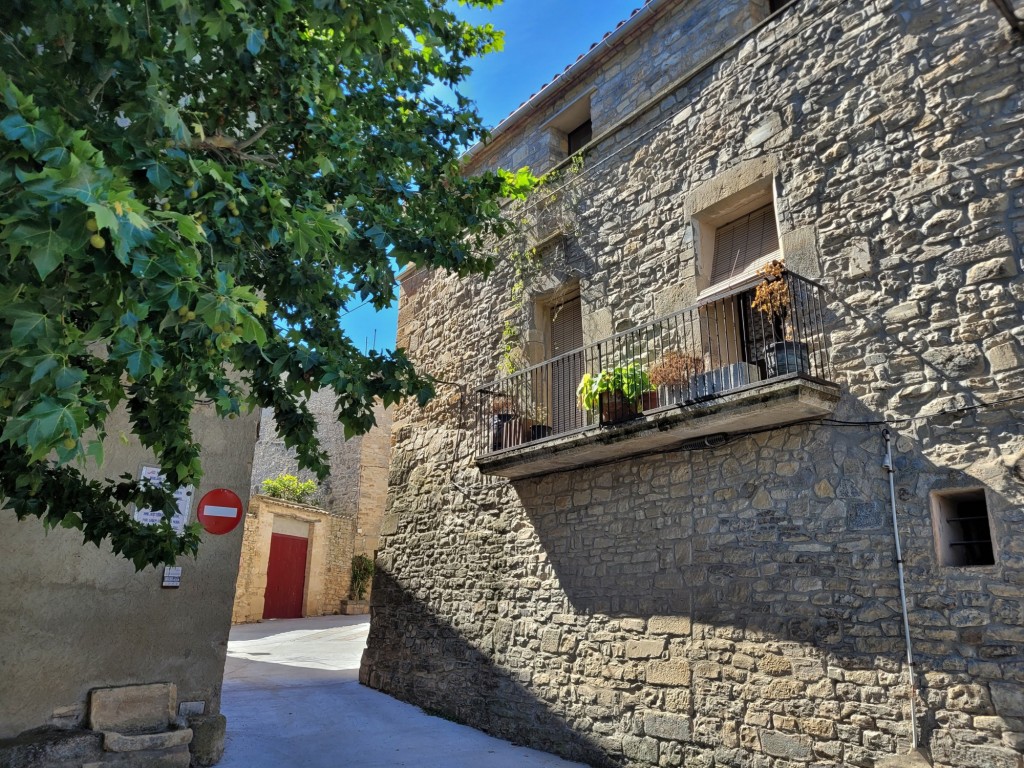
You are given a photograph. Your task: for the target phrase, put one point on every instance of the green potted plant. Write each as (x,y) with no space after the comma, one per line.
(773,297)
(614,391)
(677,374)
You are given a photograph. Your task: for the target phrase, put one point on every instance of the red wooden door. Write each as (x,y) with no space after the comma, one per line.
(286,577)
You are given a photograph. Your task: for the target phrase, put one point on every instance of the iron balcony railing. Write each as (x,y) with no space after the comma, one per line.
(691,356)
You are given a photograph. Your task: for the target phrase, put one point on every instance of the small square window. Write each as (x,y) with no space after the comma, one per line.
(963,534)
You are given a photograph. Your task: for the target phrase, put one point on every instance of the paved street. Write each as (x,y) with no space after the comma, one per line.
(293,700)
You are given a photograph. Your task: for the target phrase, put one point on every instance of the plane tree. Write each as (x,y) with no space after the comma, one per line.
(192,193)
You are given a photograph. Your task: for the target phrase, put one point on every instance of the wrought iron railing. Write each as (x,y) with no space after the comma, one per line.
(694,355)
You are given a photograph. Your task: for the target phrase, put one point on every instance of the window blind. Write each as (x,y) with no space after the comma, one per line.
(566,335)
(744,244)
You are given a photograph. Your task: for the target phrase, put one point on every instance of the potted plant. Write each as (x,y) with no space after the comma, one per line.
(537,413)
(773,298)
(615,391)
(677,373)
(506,422)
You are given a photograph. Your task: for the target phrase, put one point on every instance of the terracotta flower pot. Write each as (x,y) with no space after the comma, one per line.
(615,408)
(649,401)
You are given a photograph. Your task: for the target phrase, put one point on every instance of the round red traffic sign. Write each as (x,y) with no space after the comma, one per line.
(220,511)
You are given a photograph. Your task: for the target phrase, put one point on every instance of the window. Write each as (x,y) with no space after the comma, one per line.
(743,245)
(571,128)
(579,137)
(963,536)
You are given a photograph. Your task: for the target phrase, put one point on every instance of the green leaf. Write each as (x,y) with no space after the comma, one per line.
(29,326)
(160,176)
(47,250)
(254,41)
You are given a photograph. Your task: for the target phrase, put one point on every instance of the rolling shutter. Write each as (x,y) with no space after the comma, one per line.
(566,327)
(745,244)
(566,336)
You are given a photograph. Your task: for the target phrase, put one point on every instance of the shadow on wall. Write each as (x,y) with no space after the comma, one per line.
(447,676)
(567,628)
(752,548)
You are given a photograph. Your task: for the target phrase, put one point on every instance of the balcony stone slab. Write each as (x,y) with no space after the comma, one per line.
(771,404)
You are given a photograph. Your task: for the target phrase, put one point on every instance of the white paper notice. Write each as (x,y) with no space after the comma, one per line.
(183,496)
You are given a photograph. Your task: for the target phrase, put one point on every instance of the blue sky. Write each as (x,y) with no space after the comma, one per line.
(542,37)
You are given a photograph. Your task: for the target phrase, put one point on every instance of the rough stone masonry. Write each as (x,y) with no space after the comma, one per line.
(739,606)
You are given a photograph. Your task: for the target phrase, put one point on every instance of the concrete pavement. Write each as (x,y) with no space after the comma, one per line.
(293,700)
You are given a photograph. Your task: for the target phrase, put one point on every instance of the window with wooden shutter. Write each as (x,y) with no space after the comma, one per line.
(745,244)
(566,372)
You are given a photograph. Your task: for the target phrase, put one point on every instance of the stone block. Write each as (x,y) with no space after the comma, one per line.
(772,664)
(915,759)
(354,607)
(818,727)
(993,269)
(668,673)
(642,749)
(956,360)
(977,756)
(1005,357)
(669,625)
(207,745)
(663,725)
(121,742)
(132,708)
(51,747)
(550,640)
(801,249)
(1007,698)
(783,688)
(644,649)
(768,127)
(176,757)
(787,745)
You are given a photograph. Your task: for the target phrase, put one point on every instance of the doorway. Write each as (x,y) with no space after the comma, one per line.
(286,577)
(566,369)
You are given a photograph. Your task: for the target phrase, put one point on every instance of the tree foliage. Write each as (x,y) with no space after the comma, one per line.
(192,192)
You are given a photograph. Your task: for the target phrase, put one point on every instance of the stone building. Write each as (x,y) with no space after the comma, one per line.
(296,558)
(702,570)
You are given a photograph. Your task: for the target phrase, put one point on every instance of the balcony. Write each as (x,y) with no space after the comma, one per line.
(688,380)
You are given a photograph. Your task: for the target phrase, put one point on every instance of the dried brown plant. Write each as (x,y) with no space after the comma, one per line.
(676,367)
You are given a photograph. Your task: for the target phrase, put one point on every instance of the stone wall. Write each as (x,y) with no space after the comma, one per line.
(345,520)
(739,606)
(338,494)
(670,38)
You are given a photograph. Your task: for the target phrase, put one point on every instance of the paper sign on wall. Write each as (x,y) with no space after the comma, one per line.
(183,496)
(172,577)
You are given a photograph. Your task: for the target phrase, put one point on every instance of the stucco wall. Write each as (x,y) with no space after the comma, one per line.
(739,606)
(75,617)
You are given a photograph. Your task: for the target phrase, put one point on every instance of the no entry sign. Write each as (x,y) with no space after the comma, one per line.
(220,511)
